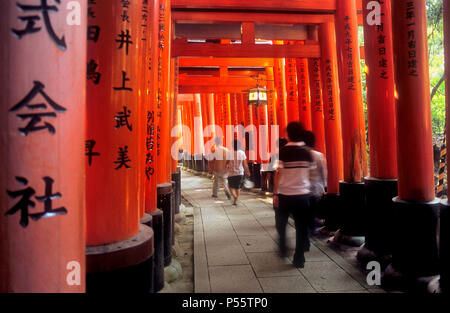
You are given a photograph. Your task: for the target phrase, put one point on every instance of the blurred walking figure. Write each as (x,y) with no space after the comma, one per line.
(292,191)
(273,163)
(217,166)
(318,180)
(237,166)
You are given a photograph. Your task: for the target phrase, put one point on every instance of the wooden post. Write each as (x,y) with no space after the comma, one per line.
(331,106)
(353,126)
(317,114)
(304,94)
(415,254)
(381,186)
(163,130)
(152,116)
(293,111)
(332,116)
(42,135)
(113,213)
(353,122)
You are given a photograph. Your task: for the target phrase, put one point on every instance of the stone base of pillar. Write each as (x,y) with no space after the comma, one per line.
(257,175)
(176,177)
(352,209)
(444,243)
(378,231)
(198,164)
(264,183)
(435,285)
(204,165)
(173,272)
(392,279)
(415,247)
(147,220)
(158,259)
(250,169)
(173,203)
(124,266)
(164,203)
(349,240)
(329,211)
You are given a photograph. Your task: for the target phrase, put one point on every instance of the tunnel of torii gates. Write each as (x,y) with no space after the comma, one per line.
(89,187)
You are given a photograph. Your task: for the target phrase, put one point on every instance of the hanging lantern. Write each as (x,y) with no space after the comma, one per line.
(257,96)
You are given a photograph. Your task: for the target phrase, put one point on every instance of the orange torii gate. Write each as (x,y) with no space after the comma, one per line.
(133,119)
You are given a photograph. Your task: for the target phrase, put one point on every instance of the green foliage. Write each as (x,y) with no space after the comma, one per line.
(436,61)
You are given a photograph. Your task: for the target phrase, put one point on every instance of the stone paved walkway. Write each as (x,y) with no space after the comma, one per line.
(235,249)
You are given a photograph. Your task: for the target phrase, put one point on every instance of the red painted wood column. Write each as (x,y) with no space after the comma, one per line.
(381,185)
(256,121)
(234,109)
(353,124)
(241,104)
(413,109)
(144,102)
(190,112)
(304,94)
(113,212)
(42,133)
(197,132)
(444,221)
(332,116)
(414,254)
(186,135)
(152,117)
(293,110)
(228,142)
(174,110)
(315,83)
(274,135)
(353,133)
(251,141)
(241,109)
(218,115)
(205,113)
(211,113)
(317,115)
(112,123)
(263,134)
(280,86)
(163,131)
(380,105)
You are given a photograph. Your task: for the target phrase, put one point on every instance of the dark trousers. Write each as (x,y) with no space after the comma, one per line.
(299,207)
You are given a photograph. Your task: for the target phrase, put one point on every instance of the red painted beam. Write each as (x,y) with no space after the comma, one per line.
(236,62)
(239,17)
(180,47)
(280,5)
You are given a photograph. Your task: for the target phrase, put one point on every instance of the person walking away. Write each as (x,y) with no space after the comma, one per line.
(318,179)
(217,166)
(237,166)
(292,191)
(273,164)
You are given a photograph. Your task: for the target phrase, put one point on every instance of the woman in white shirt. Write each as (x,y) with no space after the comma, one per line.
(237,166)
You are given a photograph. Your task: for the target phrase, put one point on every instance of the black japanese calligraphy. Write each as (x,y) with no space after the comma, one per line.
(25,201)
(123,158)
(31,28)
(36,118)
(89,150)
(122,119)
